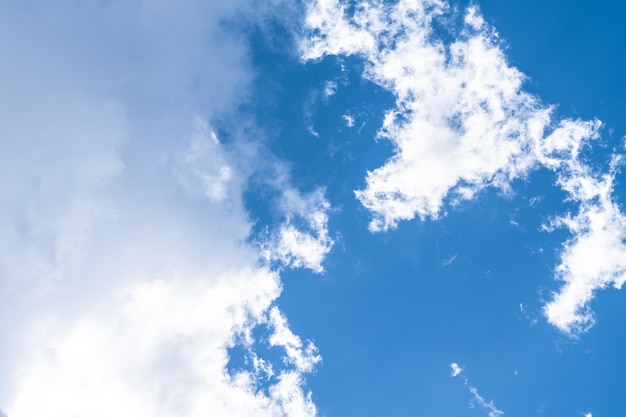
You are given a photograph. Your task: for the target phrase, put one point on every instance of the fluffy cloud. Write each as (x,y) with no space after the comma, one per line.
(304,358)
(462,122)
(488,406)
(205,168)
(160,348)
(302,240)
(595,256)
(456,369)
(125,269)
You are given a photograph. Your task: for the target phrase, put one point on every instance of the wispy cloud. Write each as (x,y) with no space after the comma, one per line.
(304,357)
(449,261)
(488,406)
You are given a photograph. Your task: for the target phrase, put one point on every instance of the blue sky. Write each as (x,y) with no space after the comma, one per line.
(312,208)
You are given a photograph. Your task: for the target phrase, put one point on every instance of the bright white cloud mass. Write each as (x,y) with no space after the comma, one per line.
(305,245)
(126,275)
(462,122)
(131,266)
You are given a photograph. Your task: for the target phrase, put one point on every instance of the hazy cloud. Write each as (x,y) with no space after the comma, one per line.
(126,272)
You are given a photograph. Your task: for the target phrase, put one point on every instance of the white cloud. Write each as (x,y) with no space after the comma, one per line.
(330,88)
(449,261)
(205,168)
(488,406)
(142,322)
(302,240)
(456,369)
(125,272)
(334,34)
(158,349)
(312,131)
(462,122)
(595,256)
(303,357)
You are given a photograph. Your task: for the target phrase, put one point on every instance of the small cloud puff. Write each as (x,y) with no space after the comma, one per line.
(348,119)
(456,369)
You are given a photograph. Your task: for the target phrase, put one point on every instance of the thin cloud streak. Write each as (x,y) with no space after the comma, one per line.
(488,406)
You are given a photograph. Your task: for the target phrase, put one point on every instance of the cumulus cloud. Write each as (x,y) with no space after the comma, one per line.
(462,122)
(160,348)
(595,256)
(126,272)
(141,324)
(456,369)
